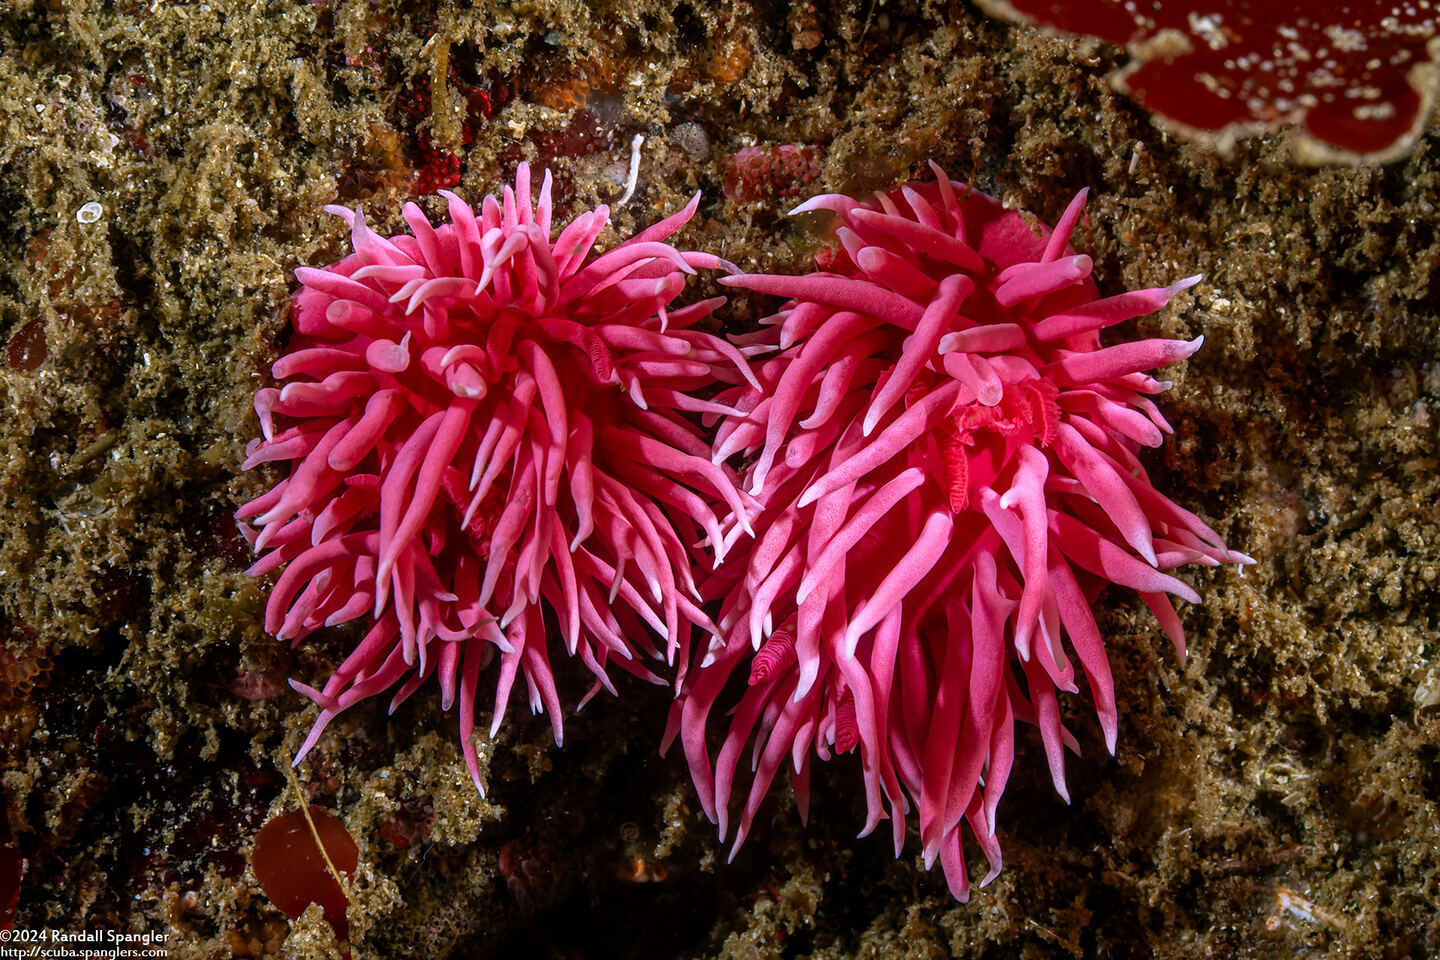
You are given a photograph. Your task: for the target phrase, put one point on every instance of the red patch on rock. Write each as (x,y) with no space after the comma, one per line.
(292,869)
(256,685)
(772,172)
(26,348)
(1356,77)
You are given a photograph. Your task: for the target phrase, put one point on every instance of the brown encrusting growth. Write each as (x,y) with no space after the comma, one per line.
(1275,796)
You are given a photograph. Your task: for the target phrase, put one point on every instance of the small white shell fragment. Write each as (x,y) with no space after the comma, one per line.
(89,213)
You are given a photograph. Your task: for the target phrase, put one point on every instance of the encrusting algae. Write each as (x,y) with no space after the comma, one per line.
(1275,795)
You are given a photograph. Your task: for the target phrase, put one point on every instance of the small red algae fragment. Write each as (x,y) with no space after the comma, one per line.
(293,871)
(256,685)
(26,349)
(582,136)
(771,172)
(437,168)
(945,456)
(1358,78)
(411,823)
